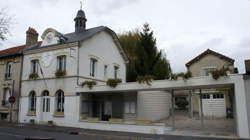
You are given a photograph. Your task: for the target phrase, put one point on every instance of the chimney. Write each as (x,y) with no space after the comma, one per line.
(247,64)
(31,37)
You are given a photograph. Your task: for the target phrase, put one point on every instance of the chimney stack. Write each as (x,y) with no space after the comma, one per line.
(31,37)
(247,64)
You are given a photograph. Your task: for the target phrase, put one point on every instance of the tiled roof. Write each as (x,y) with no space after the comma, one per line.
(208,51)
(12,51)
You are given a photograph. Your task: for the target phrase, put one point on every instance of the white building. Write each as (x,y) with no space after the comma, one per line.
(54,69)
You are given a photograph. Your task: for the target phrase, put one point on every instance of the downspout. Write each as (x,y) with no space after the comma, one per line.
(20,88)
(78,53)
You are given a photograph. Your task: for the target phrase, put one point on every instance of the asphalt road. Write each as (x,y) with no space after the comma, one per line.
(13,132)
(21,134)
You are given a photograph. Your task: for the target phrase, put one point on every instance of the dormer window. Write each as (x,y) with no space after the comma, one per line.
(8,70)
(93,64)
(61,63)
(34,66)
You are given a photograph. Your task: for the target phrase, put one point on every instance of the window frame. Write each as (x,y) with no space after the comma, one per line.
(34,66)
(116,70)
(207,70)
(93,67)
(105,71)
(60,100)
(131,107)
(32,101)
(61,63)
(9,66)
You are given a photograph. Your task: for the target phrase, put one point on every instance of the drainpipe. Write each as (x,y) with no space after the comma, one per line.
(20,88)
(78,64)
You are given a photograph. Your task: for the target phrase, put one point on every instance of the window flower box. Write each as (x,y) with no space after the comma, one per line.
(33,76)
(60,73)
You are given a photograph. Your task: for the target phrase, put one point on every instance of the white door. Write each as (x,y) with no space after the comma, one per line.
(45,107)
(214,105)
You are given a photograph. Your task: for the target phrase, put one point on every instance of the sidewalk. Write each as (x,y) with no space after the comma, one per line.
(105,134)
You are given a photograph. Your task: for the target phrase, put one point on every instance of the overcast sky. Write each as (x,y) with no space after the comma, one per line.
(183,28)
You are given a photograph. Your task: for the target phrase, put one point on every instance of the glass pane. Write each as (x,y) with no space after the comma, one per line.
(126,109)
(132,107)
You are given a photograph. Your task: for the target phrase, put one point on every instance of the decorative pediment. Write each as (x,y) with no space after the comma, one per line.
(51,37)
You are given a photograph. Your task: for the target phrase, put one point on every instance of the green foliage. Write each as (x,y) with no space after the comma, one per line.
(145,79)
(90,84)
(60,73)
(33,76)
(145,58)
(113,82)
(181,103)
(174,76)
(185,76)
(5,22)
(216,74)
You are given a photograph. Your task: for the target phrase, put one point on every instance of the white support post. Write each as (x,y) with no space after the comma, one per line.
(201,109)
(190,104)
(172,109)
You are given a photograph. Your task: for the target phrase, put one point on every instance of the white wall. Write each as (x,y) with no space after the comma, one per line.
(247,89)
(49,71)
(71,111)
(103,47)
(153,105)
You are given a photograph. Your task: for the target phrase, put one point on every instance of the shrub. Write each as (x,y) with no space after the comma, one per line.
(33,76)
(60,73)
(185,76)
(216,74)
(145,79)
(113,82)
(90,84)
(174,77)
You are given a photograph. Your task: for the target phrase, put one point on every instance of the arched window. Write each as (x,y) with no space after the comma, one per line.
(8,71)
(59,101)
(32,101)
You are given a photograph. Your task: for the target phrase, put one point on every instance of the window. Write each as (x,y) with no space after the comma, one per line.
(93,67)
(8,70)
(116,72)
(206,96)
(59,101)
(218,96)
(32,101)
(34,66)
(61,63)
(85,107)
(105,70)
(129,107)
(46,101)
(6,96)
(208,70)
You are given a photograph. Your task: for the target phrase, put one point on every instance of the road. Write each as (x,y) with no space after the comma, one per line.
(15,132)
(20,134)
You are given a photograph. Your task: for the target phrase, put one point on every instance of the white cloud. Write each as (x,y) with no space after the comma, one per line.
(182,28)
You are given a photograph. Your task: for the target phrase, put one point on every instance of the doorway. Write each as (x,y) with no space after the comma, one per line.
(45,106)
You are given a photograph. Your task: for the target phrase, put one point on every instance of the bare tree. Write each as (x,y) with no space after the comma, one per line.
(5,22)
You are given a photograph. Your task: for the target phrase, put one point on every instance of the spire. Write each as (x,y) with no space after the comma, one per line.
(80,20)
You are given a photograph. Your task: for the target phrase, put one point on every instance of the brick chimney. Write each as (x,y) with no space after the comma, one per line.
(247,64)
(31,37)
